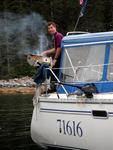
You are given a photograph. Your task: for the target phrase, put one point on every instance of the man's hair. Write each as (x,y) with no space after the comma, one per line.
(51,23)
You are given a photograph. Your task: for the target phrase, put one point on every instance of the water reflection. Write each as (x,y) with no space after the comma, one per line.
(15,119)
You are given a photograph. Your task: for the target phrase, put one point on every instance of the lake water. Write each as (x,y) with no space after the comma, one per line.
(15,119)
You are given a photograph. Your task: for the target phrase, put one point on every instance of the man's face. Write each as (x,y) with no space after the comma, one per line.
(51,29)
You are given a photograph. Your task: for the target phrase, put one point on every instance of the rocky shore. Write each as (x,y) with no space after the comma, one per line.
(24,85)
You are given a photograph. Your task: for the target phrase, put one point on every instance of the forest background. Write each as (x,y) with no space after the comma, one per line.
(23,28)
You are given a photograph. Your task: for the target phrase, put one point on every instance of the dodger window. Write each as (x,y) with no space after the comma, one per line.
(83,64)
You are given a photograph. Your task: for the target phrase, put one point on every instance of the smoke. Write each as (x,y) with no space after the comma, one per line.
(23,34)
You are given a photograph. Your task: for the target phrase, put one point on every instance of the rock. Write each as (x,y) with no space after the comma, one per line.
(18,82)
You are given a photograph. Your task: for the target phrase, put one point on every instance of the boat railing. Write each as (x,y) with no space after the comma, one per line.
(76,32)
(87,73)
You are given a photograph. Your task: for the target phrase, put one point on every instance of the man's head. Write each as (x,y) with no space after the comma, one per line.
(51,27)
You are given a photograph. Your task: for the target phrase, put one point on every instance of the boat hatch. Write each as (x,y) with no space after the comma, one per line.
(86,59)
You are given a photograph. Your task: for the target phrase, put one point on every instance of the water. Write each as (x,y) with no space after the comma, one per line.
(15,119)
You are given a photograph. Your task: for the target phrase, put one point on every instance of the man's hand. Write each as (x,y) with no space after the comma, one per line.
(48,52)
(43,53)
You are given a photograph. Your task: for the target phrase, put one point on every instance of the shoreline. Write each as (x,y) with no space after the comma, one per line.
(17,90)
(24,85)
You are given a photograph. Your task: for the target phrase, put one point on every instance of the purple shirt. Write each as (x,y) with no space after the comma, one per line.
(57,40)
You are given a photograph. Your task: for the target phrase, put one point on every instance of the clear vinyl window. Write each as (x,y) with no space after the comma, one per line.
(83,64)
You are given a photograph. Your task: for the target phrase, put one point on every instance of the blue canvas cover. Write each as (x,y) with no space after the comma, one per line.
(86,59)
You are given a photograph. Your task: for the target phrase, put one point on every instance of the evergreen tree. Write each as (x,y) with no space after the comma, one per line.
(17,33)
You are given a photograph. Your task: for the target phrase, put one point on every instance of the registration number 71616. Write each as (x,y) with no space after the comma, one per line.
(70,127)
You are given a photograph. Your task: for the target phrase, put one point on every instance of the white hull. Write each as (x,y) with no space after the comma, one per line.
(74,123)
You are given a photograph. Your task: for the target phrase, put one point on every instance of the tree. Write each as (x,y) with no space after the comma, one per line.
(108,15)
(22,27)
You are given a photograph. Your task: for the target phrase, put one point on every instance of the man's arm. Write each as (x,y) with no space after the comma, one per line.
(56,56)
(48,52)
(58,51)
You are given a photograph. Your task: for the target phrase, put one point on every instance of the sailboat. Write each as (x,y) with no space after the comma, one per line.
(79,113)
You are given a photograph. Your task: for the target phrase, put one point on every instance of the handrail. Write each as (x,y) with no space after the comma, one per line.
(76,32)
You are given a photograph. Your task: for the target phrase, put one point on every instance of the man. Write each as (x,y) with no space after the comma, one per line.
(55,52)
